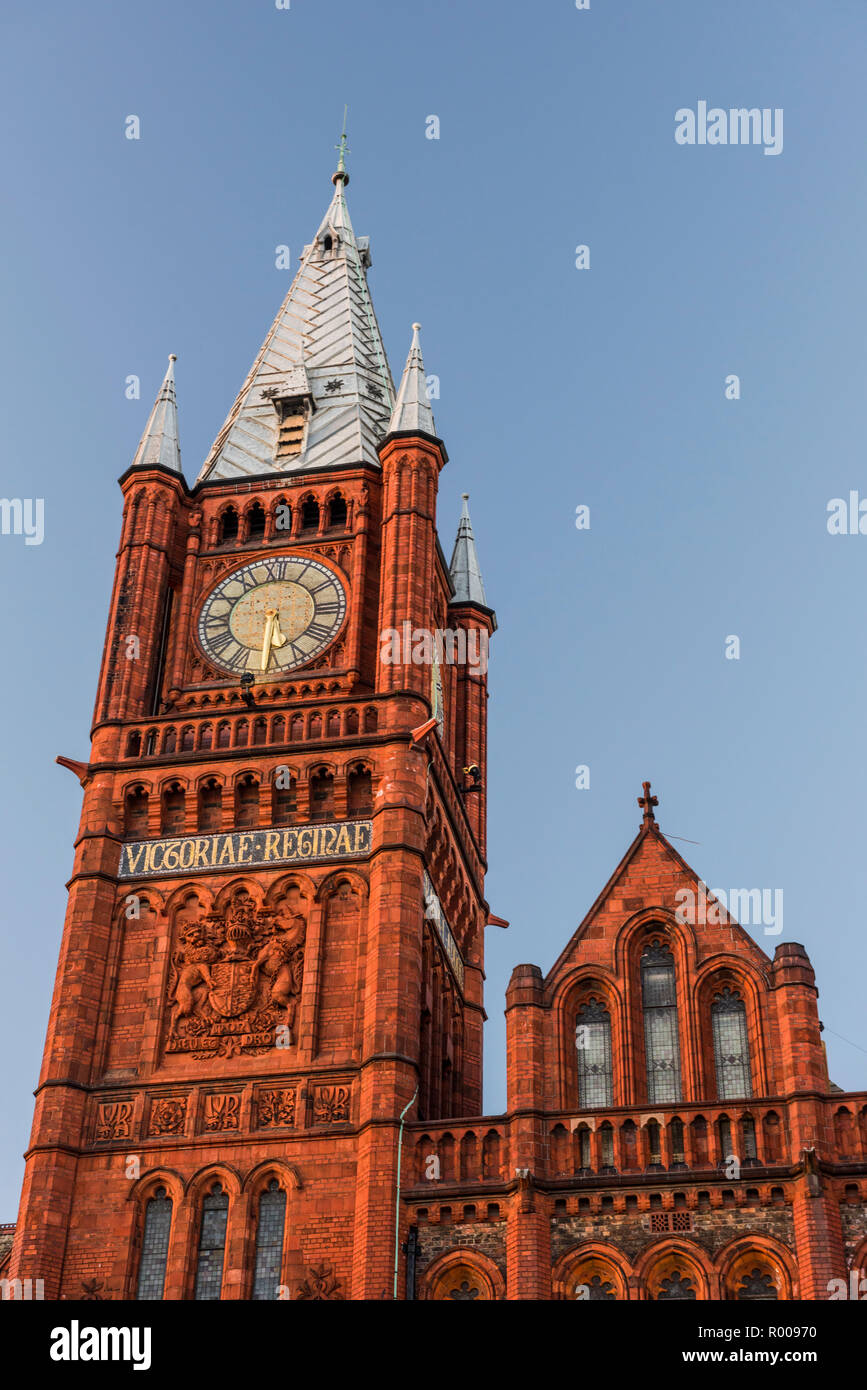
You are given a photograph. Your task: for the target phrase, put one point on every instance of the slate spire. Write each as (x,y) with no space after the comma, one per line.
(322,363)
(158,446)
(412,410)
(466,576)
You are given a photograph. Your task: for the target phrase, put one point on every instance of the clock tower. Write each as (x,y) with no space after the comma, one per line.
(273,949)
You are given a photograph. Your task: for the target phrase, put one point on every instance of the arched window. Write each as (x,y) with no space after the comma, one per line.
(359,792)
(731,1048)
(212,1245)
(322,795)
(269,1242)
(188,739)
(593,1044)
(654,1144)
(135,813)
(310,514)
(748,1138)
(284,808)
(224,734)
(583,1149)
(228,526)
(606,1138)
(210,805)
(247,801)
(337,511)
(676,1136)
(661,1046)
(724,1131)
(255,522)
(133,744)
(677,1285)
(173,817)
(155,1246)
(757,1286)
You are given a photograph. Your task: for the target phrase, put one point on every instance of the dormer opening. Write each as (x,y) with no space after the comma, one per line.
(293,418)
(327,243)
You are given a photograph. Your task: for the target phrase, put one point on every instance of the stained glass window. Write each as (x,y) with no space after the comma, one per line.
(660,1024)
(756,1286)
(155,1246)
(269,1242)
(593,1042)
(731,1048)
(595,1290)
(212,1245)
(677,1286)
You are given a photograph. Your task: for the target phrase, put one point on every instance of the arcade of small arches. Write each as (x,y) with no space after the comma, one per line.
(310,514)
(751,1269)
(263,730)
(289,796)
(291,893)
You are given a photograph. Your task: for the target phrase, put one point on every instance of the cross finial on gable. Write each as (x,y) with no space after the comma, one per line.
(647,803)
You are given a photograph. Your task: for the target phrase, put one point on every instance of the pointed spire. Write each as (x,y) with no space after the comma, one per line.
(323,357)
(158,446)
(412,410)
(466,576)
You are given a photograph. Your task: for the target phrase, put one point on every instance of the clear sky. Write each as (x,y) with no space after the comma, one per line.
(559,387)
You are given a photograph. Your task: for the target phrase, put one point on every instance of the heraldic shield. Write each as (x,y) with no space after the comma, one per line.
(233,990)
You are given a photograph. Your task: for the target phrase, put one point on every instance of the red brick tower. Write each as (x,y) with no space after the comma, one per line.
(274,940)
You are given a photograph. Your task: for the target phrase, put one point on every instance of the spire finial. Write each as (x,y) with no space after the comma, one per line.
(412,409)
(158,446)
(344,151)
(647,803)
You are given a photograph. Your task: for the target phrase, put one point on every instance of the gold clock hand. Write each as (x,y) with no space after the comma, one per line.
(271,636)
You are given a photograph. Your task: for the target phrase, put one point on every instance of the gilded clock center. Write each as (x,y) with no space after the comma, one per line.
(293,603)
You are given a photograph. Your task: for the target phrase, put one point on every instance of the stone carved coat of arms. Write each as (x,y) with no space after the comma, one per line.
(236,979)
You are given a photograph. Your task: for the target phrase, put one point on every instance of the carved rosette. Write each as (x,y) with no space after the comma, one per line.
(168,1116)
(235,982)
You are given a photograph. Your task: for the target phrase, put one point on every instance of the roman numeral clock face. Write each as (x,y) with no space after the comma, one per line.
(272,616)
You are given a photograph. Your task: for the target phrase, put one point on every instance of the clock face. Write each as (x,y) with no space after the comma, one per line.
(272,615)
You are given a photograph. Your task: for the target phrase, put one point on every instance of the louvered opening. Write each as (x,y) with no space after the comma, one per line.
(293,417)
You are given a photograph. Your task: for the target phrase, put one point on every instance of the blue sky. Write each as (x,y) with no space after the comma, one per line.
(559,387)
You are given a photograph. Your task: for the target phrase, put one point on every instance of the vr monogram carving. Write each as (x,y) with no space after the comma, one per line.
(236,980)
